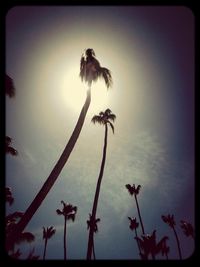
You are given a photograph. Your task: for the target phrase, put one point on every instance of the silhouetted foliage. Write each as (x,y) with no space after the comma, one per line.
(31,255)
(93,223)
(90,69)
(9,86)
(135,191)
(149,246)
(8,148)
(47,234)
(69,147)
(169,219)
(69,213)
(9,196)
(187,228)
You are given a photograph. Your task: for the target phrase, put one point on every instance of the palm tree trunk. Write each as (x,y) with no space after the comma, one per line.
(137,242)
(53,175)
(65,246)
(95,203)
(139,214)
(178,243)
(45,247)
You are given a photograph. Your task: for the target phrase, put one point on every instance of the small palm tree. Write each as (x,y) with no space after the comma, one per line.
(104,118)
(133,226)
(69,213)
(169,219)
(47,234)
(135,191)
(187,228)
(149,246)
(90,71)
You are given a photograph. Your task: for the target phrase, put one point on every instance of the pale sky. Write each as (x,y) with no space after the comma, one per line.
(150,52)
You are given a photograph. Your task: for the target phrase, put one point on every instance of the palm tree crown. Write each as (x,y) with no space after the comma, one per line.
(105,118)
(93,223)
(169,219)
(68,211)
(149,245)
(48,232)
(132,189)
(133,223)
(90,69)
(187,228)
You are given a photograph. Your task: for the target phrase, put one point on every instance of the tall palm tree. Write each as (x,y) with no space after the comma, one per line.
(149,246)
(90,71)
(135,191)
(69,213)
(169,219)
(133,226)
(104,118)
(47,234)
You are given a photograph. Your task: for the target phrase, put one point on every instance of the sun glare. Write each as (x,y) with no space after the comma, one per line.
(73,92)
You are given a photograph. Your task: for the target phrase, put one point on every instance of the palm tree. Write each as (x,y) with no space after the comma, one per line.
(133,226)
(149,246)
(169,219)
(90,71)
(187,228)
(47,234)
(69,213)
(104,118)
(135,191)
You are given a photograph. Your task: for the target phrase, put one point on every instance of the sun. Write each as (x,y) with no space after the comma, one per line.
(73,92)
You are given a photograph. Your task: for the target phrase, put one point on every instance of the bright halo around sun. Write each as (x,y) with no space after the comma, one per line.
(73,92)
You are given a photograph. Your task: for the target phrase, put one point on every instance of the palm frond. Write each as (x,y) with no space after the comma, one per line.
(97,119)
(111,126)
(26,236)
(59,212)
(106,75)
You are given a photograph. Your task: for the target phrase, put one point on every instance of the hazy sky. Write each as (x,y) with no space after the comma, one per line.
(150,52)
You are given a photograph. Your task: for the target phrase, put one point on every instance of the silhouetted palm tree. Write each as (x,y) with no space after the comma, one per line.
(149,246)
(47,234)
(90,71)
(69,213)
(8,148)
(133,226)
(104,118)
(169,219)
(188,229)
(135,191)
(9,86)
